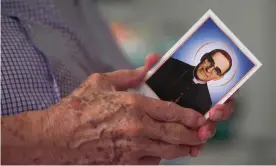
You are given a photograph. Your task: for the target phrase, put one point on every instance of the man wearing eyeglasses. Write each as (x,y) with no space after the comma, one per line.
(186,85)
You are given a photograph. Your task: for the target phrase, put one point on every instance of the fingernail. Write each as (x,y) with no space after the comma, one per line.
(209,135)
(218,114)
(201,121)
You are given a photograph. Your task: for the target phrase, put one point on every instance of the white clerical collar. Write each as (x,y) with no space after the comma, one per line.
(196,81)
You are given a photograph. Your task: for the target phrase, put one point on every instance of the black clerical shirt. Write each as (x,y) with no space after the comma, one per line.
(174,82)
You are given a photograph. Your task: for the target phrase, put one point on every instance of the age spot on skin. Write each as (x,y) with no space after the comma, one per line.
(75,103)
(99,149)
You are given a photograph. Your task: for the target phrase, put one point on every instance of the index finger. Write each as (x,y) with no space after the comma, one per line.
(125,79)
(168,111)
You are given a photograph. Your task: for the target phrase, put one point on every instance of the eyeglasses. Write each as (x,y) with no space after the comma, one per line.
(211,63)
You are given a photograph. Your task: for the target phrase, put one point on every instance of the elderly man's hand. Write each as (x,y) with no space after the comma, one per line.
(120,127)
(100,123)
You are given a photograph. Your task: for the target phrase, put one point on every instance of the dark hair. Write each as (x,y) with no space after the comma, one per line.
(223,52)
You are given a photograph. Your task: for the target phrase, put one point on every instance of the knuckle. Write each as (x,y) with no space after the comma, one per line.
(190,119)
(100,81)
(172,104)
(190,114)
(175,108)
(97,77)
(178,134)
(135,128)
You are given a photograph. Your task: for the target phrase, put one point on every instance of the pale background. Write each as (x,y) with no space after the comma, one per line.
(254,23)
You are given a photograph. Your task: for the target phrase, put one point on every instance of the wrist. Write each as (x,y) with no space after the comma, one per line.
(22,129)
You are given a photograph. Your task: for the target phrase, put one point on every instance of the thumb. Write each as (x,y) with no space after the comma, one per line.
(125,79)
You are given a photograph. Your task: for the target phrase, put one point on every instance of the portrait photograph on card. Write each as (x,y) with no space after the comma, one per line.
(204,68)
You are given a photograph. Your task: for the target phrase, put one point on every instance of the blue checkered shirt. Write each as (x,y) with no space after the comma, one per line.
(27,80)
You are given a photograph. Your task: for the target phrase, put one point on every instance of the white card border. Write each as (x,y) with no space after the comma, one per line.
(222,26)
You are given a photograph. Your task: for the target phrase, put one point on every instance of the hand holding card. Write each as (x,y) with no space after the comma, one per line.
(217,113)
(203,69)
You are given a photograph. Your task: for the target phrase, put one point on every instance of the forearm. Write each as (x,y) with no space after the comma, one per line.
(91,154)
(33,138)
(29,155)
(21,129)
(20,136)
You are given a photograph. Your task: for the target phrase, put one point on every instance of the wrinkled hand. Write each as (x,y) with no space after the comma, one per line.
(99,123)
